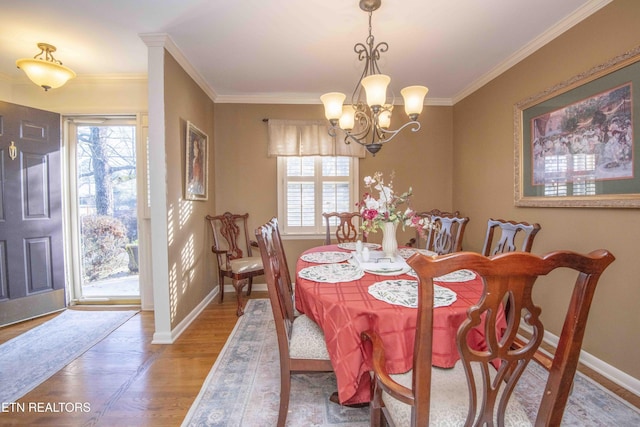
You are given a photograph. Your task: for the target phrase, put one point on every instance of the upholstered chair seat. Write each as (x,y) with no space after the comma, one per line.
(450,402)
(307,340)
(245,265)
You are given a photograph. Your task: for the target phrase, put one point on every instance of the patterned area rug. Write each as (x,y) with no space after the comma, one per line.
(32,357)
(243,387)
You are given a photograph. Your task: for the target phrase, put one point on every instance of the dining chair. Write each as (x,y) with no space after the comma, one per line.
(474,392)
(232,247)
(347,225)
(301,342)
(509,232)
(446,233)
(415,241)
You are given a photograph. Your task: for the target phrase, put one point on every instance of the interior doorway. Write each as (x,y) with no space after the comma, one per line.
(103,209)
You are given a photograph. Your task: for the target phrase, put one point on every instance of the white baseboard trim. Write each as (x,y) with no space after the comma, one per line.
(170,338)
(610,372)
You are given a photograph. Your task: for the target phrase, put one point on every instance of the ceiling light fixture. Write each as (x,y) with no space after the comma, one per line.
(44,70)
(367,120)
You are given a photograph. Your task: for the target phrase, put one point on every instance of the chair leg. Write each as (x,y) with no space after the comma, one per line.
(376,419)
(250,286)
(285,391)
(239,285)
(221,286)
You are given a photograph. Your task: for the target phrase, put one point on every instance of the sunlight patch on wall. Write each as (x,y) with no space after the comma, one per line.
(170,228)
(186,209)
(173,291)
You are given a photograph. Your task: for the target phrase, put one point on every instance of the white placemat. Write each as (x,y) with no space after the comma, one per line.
(407,252)
(329,257)
(332,273)
(405,293)
(351,246)
(454,276)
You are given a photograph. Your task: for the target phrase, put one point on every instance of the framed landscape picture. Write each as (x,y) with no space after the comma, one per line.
(196,163)
(576,143)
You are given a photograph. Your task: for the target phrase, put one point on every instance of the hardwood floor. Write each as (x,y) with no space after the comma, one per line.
(125,381)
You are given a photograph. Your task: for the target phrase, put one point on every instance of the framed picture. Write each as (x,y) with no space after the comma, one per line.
(196,163)
(576,143)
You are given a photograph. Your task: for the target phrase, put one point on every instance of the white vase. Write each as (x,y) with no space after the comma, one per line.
(389,241)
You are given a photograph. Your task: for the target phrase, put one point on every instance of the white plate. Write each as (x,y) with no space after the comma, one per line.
(405,293)
(330,257)
(331,273)
(351,246)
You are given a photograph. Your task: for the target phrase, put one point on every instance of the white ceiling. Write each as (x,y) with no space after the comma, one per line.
(291,50)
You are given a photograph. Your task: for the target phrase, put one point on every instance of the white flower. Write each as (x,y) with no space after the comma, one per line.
(372,203)
(369,181)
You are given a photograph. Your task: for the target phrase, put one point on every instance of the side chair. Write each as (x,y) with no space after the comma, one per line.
(509,231)
(474,392)
(301,342)
(347,227)
(415,241)
(445,236)
(232,247)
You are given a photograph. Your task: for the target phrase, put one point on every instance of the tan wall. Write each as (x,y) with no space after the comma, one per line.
(484,175)
(189,245)
(246,177)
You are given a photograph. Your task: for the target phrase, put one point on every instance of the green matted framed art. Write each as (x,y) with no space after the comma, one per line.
(576,143)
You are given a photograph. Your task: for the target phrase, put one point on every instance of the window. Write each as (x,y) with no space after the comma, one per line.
(309,186)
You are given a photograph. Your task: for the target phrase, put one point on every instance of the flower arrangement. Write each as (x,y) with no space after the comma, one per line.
(387,207)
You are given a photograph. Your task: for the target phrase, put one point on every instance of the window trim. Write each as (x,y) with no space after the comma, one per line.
(320,232)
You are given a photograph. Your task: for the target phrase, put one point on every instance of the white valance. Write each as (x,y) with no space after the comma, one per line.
(308,138)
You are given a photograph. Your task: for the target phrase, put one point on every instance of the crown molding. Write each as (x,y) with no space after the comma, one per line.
(578,16)
(164,40)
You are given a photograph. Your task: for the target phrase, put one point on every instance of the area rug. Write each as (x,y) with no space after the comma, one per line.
(32,357)
(242,388)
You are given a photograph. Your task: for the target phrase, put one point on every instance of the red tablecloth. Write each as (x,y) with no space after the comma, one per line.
(344,310)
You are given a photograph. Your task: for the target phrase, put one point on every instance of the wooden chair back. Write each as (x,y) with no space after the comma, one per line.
(445,235)
(509,231)
(347,227)
(415,242)
(510,275)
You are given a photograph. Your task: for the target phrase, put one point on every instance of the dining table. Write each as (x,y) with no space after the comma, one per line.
(346,295)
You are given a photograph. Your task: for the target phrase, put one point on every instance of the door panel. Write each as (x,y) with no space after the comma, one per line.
(31,247)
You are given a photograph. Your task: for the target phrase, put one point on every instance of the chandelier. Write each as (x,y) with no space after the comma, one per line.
(47,72)
(368,118)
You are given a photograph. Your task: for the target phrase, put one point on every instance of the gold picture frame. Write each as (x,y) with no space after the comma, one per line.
(576,143)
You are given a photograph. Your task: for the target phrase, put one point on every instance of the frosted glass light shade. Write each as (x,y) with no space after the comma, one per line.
(48,75)
(333,104)
(348,118)
(375,86)
(384,119)
(414,99)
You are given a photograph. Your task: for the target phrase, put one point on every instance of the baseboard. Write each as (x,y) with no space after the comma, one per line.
(254,287)
(170,338)
(610,372)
